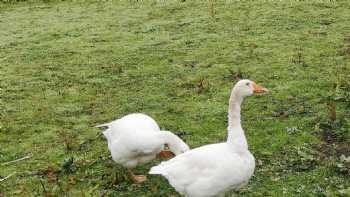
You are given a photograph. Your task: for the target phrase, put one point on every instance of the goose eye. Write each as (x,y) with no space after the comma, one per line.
(247,83)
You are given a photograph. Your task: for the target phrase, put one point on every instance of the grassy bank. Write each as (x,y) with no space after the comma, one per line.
(66,66)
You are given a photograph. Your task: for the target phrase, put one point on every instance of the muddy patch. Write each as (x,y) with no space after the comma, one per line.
(332,145)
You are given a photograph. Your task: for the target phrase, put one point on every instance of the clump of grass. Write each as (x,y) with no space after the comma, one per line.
(211,6)
(345,51)
(298,58)
(116,68)
(68,139)
(202,85)
(68,165)
(236,75)
(332,111)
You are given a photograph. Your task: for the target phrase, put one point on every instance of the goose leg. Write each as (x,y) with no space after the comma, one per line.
(165,154)
(137,178)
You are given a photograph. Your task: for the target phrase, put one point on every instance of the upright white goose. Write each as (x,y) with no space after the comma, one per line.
(213,169)
(136,138)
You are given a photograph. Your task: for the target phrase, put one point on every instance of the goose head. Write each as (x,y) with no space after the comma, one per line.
(180,148)
(108,135)
(246,87)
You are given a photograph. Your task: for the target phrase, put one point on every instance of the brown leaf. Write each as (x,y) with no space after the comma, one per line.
(72,180)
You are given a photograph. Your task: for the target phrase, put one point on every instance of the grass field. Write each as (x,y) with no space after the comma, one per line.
(67,66)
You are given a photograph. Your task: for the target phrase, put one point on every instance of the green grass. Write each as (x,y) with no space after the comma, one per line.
(66,66)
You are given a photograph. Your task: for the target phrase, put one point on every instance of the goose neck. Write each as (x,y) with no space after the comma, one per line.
(236,136)
(234,111)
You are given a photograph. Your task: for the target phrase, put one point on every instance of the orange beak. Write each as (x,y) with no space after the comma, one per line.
(259,89)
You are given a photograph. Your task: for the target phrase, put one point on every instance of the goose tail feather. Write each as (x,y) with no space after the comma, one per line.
(103,126)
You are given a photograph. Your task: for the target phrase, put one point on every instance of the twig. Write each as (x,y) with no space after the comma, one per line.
(20,159)
(42,184)
(3,179)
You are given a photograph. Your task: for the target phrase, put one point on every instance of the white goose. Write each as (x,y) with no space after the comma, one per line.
(213,169)
(136,138)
